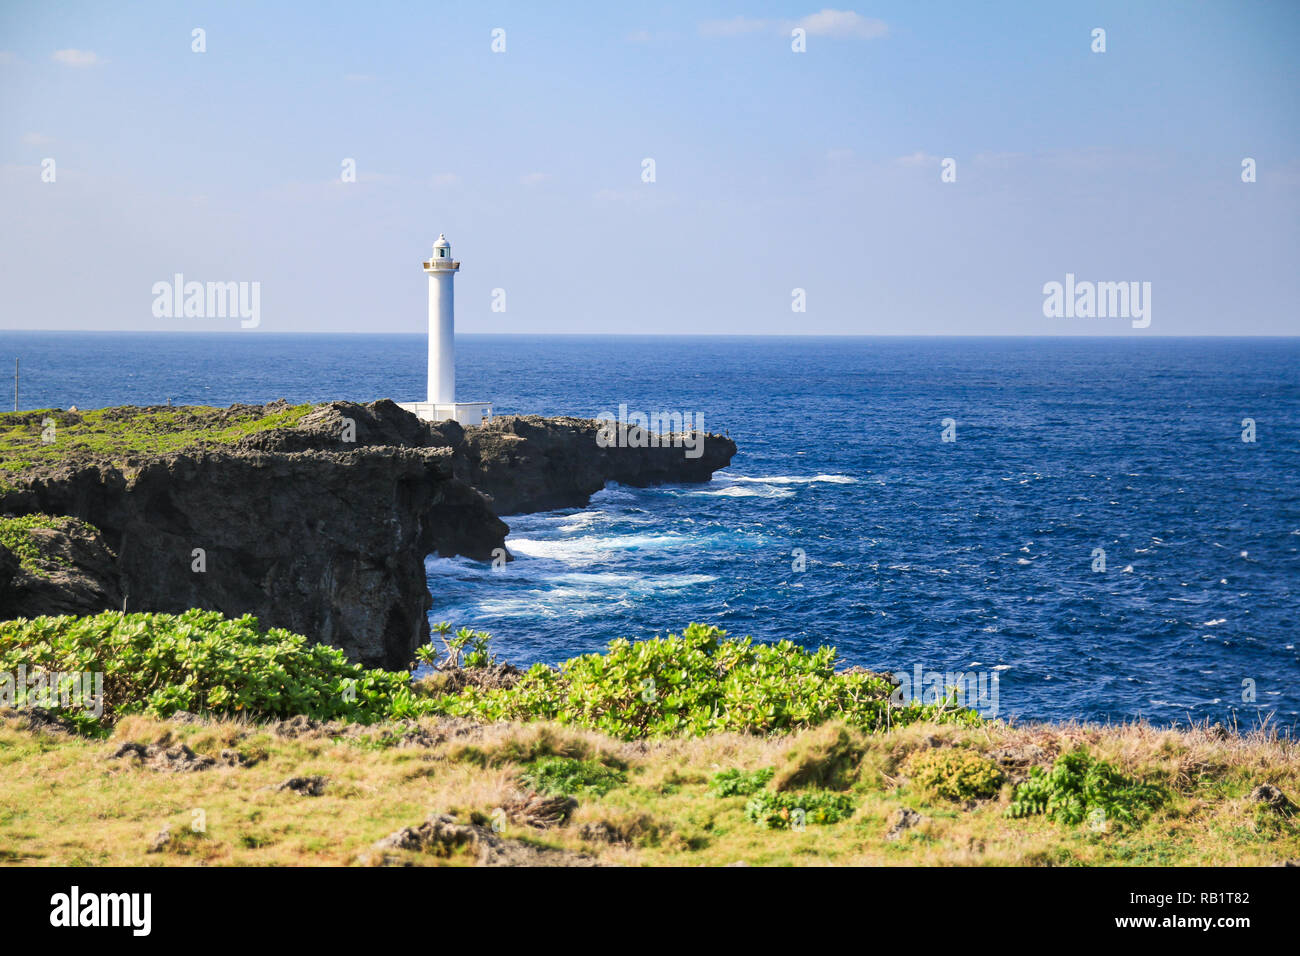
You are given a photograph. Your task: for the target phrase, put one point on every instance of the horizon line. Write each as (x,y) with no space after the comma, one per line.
(674,335)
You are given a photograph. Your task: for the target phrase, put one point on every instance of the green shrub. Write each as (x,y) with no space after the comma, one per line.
(954,773)
(781,811)
(201,662)
(567,777)
(698,683)
(1078,787)
(740,783)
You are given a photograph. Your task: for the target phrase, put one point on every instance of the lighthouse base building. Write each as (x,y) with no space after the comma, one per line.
(442,405)
(463,413)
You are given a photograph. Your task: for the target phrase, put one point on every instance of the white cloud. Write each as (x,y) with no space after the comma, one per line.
(919,158)
(836,155)
(72,57)
(358,78)
(639,36)
(842,23)
(532,179)
(7,57)
(824,23)
(445,179)
(36,139)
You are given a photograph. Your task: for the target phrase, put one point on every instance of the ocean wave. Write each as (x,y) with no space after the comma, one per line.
(457,565)
(630,582)
(582,520)
(585,549)
(789,479)
(744,491)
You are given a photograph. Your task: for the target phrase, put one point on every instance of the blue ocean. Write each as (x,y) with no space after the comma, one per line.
(846,518)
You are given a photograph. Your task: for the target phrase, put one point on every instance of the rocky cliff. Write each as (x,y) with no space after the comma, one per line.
(527,463)
(320,527)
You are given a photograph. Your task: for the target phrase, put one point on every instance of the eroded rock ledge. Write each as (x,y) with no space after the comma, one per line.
(321,527)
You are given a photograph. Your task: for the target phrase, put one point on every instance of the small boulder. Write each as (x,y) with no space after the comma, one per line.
(903,820)
(304,786)
(1273,798)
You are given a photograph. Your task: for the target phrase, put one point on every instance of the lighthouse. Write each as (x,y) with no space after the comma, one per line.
(441,404)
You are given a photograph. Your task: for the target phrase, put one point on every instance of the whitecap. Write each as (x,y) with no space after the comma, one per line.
(742,491)
(586,549)
(582,520)
(790,479)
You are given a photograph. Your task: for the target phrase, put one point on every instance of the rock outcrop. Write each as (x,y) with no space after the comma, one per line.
(526,463)
(73,572)
(322,527)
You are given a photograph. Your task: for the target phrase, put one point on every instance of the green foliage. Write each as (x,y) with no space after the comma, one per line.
(698,683)
(780,811)
(117,433)
(473,644)
(740,783)
(1079,787)
(16,535)
(954,773)
(203,663)
(569,777)
(477,653)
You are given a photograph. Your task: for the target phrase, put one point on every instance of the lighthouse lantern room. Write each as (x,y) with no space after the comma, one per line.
(441,404)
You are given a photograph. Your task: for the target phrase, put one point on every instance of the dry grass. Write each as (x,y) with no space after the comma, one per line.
(63,801)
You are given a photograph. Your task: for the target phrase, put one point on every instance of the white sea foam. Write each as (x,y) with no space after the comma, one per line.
(638,582)
(613,492)
(458,565)
(745,491)
(586,549)
(582,520)
(790,479)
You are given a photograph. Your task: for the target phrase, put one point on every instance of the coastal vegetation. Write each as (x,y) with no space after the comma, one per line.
(68,800)
(696,683)
(221,742)
(31,439)
(700,682)
(1080,787)
(201,662)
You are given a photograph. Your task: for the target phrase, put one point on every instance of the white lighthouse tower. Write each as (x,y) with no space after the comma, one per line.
(441,404)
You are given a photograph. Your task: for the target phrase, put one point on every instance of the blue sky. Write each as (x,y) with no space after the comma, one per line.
(775,170)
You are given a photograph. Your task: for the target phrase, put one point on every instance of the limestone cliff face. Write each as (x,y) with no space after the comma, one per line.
(327,539)
(74,572)
(321,528)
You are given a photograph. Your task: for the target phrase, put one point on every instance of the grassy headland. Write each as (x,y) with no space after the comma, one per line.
(692,749)
(52,436)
